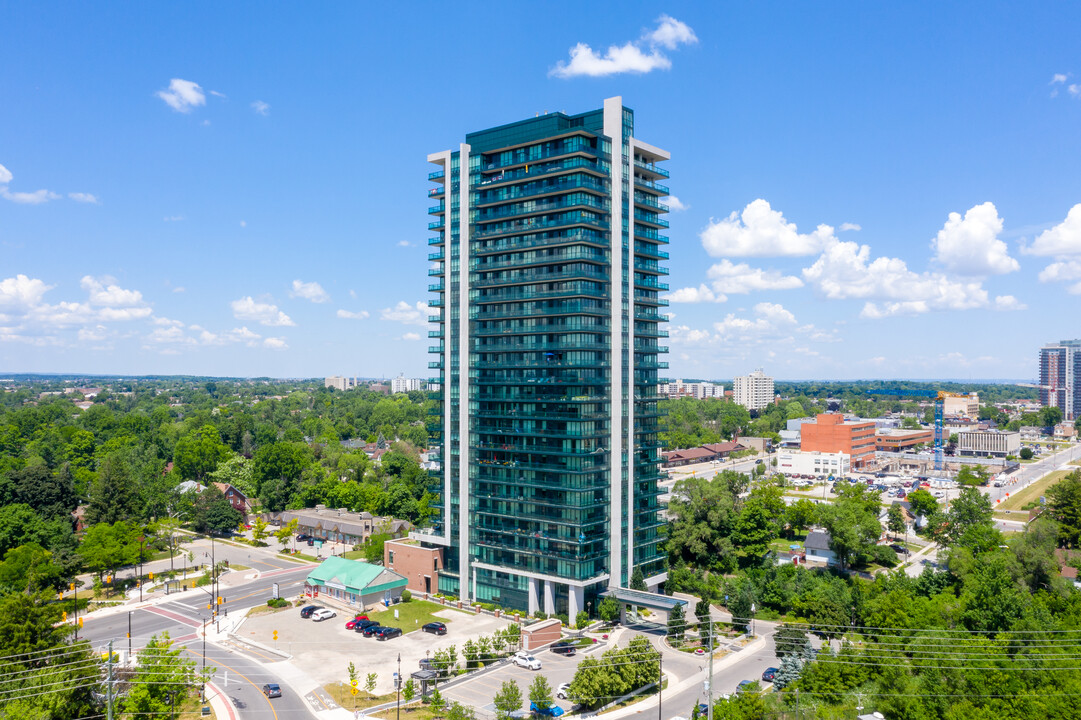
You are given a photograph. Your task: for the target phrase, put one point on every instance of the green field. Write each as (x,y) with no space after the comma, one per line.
(1032,493)
(411,615)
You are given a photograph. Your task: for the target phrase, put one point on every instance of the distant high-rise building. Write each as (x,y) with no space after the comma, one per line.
(339,382)
(966,405)
(699,390)
(1060,370)
(403,384)
(754,391)
(548,282)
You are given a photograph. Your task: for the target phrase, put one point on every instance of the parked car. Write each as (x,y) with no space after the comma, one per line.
(353,623)
(323,614)
(361,625)
(524,659)
(563,647)
(562,690)
(307,610)
(550,711)
(388,632)
(272,690)
(302,537)
(769,674)
(745,685)
(371,630)
(436,628)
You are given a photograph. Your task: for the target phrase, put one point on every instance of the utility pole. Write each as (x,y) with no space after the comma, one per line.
(141,539)
(129,636)
(709,680)
(660,681)
(203,691)
(75,587)
(398,689)
(109,684)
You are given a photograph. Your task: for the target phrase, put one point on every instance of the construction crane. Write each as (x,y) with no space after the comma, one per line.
(940,402)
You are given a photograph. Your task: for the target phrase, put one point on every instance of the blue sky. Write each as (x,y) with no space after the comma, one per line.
(870,190)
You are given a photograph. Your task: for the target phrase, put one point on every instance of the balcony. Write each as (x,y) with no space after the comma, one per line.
(436,240)
(574,290)
(650,169)
(533,225)
(436,191)
(650,266)
(527,242)
(436,256)
(516,210)
(649,185)
(561,256)
(562,309)
(435,333)
(650,218)
(437,209)
(600,167)
(644,299)
(570,146)
(650,282)
(437,176)
(564,184)
(438,287)
(439,224)
(650,251)
(520,277)
(436,272)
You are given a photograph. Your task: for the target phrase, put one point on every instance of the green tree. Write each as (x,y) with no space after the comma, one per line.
(702,610)
(373,549)
(972,475)
(677,624)
(789,640)
(161,676)
(1026,453)
(259,530)
(198,453)
(409,690)
(29,568)
(922,502)
(970,521)
(852,522)
(235,470)
(1050,416)
(435,699)
(508,699)
(286,532)
(457,711)
(114,495)
(638,580)
(1064,505)
(801,514)
(214,513)
(108,547)
(540,694)
(608,609)
(895,519)
(370,681)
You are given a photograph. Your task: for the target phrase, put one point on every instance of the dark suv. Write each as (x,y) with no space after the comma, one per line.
(387,633)
(437,628)
(307,610)
(563,648)
(372,630)
(361,625)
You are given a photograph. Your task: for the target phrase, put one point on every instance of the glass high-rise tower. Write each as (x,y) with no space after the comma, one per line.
(548,264)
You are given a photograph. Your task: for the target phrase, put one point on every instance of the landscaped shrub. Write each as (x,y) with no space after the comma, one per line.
(278,602)
(406,596)
(581,619)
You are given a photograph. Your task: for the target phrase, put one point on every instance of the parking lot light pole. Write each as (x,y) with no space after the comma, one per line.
(398,689)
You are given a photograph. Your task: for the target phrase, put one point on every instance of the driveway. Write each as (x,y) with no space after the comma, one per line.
(324,649)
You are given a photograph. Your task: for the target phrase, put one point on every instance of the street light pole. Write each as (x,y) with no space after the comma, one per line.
(141,539)
(398,689)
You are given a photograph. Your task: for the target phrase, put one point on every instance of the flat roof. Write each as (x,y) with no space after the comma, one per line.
(644,598)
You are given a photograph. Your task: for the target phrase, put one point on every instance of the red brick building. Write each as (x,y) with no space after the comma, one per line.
(831,434)
(419,565)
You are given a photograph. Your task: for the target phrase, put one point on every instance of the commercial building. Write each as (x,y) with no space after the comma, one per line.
(704,453)
(1060,369)
(342,526)
(754,391)
(340,383)
(966,405)
(902,440)
(813,463)
(996,443)
(698,389)
(403,384)
(548,266)
(419,565)
(830,433)
(354,584)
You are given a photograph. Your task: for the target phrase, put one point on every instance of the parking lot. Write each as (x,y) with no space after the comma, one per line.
(479,691)
(324,649)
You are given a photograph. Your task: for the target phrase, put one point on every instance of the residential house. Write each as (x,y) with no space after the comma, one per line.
(236,497)
(817,548)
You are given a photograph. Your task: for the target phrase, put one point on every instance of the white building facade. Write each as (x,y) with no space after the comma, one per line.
(698,390)
(403,384)
(997,443)
(340,383)
(813,463)
(754,391)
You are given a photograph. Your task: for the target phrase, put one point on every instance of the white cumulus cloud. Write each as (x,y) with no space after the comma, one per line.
(695,295)
(411,336)
(247,308)
(5,175)
(28,198)
(407,314)
(309,291)
(740,279)
(183,95)
(845,270)
(260,108)
(106,292)
(1062,240)
(350,315)
(638,56)
(677,205)
(21,292)
(845,227)
(84,198)
(1058,79)
(761,231)
(970,245)
(275,343)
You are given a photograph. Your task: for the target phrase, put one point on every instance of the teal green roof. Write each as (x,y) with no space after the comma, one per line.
(353,574)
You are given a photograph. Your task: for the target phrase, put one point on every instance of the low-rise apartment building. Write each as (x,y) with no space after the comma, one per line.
(813,463)
(996,443)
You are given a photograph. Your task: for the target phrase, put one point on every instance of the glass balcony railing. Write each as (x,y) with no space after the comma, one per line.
(571,290)
(437,287)
(437,175)
(563,345)
(526,242)
(650,282)
(515,327)
(436,191)
(650,300)
(435,272)
(436,256)
(437,225)
(570,147)
(564,184)
(650,251)
(549,258)
(518,277)
(651,168)
(534,224)
(649,234)
(650,266)
(532,208)
(436,240)
(656,187)
(651,218)
(598,166)
(562,309)
(650,201)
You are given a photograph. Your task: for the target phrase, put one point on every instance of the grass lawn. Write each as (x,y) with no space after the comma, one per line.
(342,696)
(1032,493)
(411,615)
(1075,462)
(192,708)
(353,555)
(416,711)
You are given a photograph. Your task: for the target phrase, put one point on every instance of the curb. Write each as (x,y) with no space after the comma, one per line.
(219,703)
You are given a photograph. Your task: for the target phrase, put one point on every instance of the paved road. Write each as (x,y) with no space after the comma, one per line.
(1031,472)
(239,676)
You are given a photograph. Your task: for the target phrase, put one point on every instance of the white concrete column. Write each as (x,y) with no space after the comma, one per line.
(549,598)
(576,595)
(534,595)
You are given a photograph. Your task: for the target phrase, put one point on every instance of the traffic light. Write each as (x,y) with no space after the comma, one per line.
(109,579)
(151,576)
(71,586)
(65,616)
(219,599)
(80,622)
(275,634)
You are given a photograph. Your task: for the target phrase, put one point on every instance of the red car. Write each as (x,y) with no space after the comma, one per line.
(349,625)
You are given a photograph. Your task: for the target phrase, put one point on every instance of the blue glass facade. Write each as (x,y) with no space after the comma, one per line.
(549,337)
